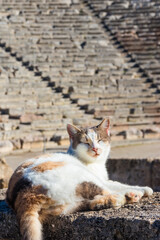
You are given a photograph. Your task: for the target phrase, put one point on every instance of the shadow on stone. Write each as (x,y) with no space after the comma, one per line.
(131,222)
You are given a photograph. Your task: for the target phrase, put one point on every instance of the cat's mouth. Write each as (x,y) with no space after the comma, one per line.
(96,155)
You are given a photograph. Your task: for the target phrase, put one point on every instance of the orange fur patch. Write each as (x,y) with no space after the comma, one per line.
(101,201)
(31,199)
(25,165)
(17,175)
(34,200)
(51,210)
(48,166)
(104,192)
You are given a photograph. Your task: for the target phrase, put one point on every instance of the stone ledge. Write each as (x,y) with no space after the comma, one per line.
(133,221)
(142,172)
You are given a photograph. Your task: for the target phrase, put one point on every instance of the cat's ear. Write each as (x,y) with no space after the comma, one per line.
(105,126)
(72,130)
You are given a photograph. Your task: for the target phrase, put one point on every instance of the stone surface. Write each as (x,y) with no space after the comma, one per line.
(29,117)
(133,221)
(6,147)
(143,172)
(5,173)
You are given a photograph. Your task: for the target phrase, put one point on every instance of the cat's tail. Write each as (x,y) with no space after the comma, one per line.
(30,226)
(27,206)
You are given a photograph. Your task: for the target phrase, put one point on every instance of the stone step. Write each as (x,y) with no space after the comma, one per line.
(143,19)
(154,118)
(117,101)
(80,62)
(151,108)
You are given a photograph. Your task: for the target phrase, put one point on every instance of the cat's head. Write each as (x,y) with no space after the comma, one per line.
(90,144)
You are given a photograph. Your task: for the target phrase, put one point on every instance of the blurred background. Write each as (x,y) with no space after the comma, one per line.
(78,61)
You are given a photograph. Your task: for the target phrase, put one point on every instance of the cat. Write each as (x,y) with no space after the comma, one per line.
(63,183)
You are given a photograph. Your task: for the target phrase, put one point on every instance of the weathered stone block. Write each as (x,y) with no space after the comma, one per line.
(33,136)
(133,221)
(29,117)
(4,118)
(16,113)
(5,173)
(155,173)
(16,144)
(6,126)
(5,147)
(133,133)
(143,172)
(26,146)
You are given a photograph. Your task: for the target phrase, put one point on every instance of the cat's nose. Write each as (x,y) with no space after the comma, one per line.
(95,149)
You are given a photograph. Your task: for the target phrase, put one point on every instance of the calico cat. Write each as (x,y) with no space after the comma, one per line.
(63,183)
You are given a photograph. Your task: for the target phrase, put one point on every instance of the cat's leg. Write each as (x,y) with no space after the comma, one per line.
(106,201)
(132,193)
(147,191)
(94,197)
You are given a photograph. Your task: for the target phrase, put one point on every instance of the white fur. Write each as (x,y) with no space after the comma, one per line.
(61,182)
(93,137)
(82,153)
(79,166)
(96,165)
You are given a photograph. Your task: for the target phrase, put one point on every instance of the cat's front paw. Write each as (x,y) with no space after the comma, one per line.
(147,191)
(133,196)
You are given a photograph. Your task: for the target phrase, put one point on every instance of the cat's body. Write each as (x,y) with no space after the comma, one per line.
(62,183)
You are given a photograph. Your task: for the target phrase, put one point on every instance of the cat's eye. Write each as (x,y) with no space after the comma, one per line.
(84,142)
(87,144)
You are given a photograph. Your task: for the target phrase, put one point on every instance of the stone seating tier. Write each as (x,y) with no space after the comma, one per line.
(136,28)
(67,62)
